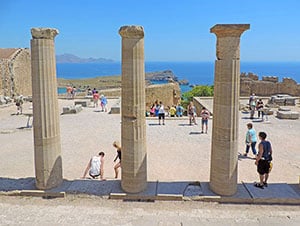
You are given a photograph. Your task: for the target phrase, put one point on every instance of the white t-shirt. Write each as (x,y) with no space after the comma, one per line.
(95,166)
(161,109)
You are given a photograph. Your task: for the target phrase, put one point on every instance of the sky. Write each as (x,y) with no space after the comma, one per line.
(175,30)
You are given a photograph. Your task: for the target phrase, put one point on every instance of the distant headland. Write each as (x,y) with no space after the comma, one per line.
(70,58)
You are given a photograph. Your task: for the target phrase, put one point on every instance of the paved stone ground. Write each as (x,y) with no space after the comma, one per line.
(177,152)
(98,211)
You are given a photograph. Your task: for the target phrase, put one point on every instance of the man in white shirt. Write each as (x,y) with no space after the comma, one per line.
(95,166)
(161,113)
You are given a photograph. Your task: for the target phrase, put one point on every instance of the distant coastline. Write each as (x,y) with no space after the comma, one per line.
(196,73)
(71,58)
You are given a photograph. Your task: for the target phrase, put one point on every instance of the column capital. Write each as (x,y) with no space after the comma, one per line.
(132,31)
(44,33)
(229,30)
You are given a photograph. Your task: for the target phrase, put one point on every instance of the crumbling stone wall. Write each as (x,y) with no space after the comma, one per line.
(168,93)
(15,74)
(22,73)
(269,85)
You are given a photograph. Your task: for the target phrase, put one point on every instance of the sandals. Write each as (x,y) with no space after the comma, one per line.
(258,185)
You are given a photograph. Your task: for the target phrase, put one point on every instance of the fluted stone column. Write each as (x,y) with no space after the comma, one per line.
(224,153)
(46,128)
(134,156)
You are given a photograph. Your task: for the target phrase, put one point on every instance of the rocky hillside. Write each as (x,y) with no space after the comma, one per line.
(70,58)
(166,75)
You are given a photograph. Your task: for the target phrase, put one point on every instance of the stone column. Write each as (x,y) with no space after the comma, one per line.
(134,156)
(46,127)
(224,153)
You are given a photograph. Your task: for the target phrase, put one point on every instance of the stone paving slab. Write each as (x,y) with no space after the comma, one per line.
(147,195)
(12,184)
(274,193)
(93,187)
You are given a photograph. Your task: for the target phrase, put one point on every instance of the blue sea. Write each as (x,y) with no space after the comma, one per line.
(197,73)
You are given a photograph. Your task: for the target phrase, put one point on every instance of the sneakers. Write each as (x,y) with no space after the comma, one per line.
(245,154)
(258,185)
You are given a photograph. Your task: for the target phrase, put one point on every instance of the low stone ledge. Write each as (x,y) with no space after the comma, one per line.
(287,114)
(72,109)
(83,103)
(116,108)
(284,109)
(44,194)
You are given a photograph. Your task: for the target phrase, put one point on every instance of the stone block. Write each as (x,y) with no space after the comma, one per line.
(277,193)
(2,100)
(287,114)
(284,109)
(115,110)
(72,109)
(83,103)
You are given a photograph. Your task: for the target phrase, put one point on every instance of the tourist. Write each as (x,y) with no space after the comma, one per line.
(204,121)
(179,110)
(19,104)
(161,113)
(156,108)
(95,167)
(96,99)
(192,113)
(259,108)
(172,111)
(103,103)
(152,110)
(252,105)
(263,160)
(117,145)
(73,92)
(69,90)
(89,92)
(251,139)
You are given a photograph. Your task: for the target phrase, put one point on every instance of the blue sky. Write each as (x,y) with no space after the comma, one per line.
(174,30)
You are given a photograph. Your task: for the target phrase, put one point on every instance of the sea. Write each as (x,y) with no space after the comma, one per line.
(197,73)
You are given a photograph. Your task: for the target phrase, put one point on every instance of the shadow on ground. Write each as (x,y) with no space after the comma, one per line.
(275,193)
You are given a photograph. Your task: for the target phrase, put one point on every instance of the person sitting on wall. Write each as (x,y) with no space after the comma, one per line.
(95,167)
(179,110)
(172,111)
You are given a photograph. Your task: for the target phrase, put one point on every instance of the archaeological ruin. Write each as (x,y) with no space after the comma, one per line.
(46,124)
(15,72)
(223,170)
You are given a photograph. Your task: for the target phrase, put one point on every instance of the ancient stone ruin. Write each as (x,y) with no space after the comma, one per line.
(15,72)
(223,168)
(269,85)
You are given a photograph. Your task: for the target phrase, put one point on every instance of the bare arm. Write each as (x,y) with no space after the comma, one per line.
(101,168)
(87,169)
(260,152)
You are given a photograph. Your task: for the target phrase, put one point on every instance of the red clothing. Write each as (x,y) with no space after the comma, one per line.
(96,96)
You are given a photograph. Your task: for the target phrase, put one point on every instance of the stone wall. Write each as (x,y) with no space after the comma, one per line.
(15,74)
(269,85)
(22,73)
(168,93)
